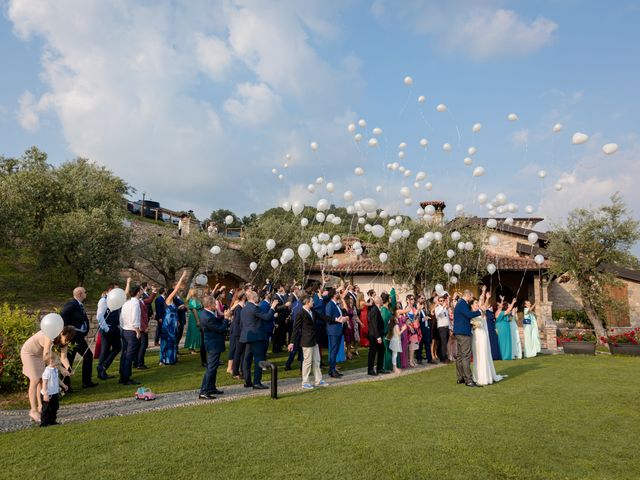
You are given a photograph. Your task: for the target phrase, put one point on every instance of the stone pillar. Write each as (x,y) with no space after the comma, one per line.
(189,225)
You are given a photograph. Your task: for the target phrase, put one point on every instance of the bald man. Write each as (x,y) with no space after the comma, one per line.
(73,314)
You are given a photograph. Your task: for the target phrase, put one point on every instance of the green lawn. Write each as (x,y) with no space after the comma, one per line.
(185,375)
(571,417)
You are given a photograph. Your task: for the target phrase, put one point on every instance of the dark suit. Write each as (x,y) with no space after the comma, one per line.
(376,330)
(334,333)
(462,316)
(255,337)
(73,314)
(282,314)
(182,319)
(161,309)
(215,329)
(425,341)
(304,330)
(111,342)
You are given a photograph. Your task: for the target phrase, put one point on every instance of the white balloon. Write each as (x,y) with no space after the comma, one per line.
(367,227)
(359,171)
(304,222)
(373,142)
(52,323)
(579,138)
(377,131)
(202,280)
(468,246)
(459,208)
(420,176)
(494,241)
(402,145)
(253,266)
(429,236)
(383,257)
(274,263)
(314,146)
(491,268)
(439,289)
(116,299)
(322,205)
(271,244)
(429,209)
(378,188)
(437,236)
(274,171)
(405,192)
(358,137)
(424,142)
(351,127)
(472,151)
(335,262)
(329,218)
(528,209)
(383,214)
(512,208)
(348,195)
(512,117)
(408,81)
(215,250)
(539,259)
(457,269)
(362,122)
(330,187)
(482,198)
(319,180)
(542,174)
(395,166)
(451,253)
(286,165)
(288,254)
(297,207)
(508,221)
(467,161)
(320,217)
(280,177)
(446,147)
(453,279)
(311,188)
(557,127)
(421,99)
(286,206)
(392,222)
(396,234)
(610,148)
(377,231)
(455,235)
(532,237)
(441,107)
(368,204)
(492,223)
(402,169)
(447,267)
(422,243)
(501,199)
(476,127)
(478,171)
(558,187)
(401,154)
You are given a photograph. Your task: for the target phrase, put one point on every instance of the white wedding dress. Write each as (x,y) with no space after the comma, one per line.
(484,372)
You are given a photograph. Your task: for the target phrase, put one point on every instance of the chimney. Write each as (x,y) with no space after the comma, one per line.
(438,216)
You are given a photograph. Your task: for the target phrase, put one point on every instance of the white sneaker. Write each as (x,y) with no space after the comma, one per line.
(307,386)
(322,383)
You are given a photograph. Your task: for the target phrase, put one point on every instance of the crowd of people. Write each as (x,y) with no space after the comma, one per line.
(303,321)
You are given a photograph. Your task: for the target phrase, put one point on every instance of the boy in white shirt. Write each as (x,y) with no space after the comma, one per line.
(50,390)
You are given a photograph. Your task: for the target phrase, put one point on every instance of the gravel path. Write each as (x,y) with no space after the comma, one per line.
(12,420)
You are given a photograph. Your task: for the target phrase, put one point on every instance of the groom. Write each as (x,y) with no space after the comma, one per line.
(462,316)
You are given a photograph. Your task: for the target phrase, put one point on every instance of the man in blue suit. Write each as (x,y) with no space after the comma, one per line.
(462,315)
(335,321)
(255,337)
(215,329)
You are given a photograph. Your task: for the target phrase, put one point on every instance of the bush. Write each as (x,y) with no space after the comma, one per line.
(16,326)
(571,317)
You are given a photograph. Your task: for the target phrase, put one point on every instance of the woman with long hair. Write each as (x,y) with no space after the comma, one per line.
(235,348)
(168,336)
(503,329)
(194,303)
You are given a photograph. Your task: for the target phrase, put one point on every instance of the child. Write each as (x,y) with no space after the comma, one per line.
(394,341)
(50,390)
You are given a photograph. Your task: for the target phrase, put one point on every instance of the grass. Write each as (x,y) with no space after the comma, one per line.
(569,417)
(185,375)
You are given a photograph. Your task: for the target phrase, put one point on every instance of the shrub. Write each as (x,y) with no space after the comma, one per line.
(631,336)
(576,336)
(16,326)
(571,317)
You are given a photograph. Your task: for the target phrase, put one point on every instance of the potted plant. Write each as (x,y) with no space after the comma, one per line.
(578,342)
(627,343)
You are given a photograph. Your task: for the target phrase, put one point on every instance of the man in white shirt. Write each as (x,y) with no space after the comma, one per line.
(130,326)
(442,324)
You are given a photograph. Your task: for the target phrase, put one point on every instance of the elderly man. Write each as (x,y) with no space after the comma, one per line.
(73,313)
(255,337)
(462,315)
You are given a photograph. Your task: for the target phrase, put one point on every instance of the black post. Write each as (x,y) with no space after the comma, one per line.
(274,377)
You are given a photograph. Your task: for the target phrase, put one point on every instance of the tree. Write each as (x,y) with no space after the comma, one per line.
(588,242)
(167,255)
(218,217)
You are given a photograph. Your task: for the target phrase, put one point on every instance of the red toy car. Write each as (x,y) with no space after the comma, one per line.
(145,394)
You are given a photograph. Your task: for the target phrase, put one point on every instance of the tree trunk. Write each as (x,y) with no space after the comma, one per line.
(600,331)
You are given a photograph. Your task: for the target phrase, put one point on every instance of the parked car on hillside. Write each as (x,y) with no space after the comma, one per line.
(150,208)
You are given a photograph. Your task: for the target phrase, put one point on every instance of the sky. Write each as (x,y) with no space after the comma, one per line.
(195,102)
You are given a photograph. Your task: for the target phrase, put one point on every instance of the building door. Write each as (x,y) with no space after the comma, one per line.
(618,317)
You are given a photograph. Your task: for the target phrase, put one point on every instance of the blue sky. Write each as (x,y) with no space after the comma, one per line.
(196,102)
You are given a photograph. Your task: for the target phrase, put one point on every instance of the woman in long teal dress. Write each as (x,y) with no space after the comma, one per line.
(531,333)
(168,344)
(193,339)
(503,329)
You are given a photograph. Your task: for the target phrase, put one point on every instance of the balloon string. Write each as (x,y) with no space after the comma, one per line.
(424,119)
(406,102)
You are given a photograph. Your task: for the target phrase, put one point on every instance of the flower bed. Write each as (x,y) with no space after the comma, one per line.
(582,342)
(625,343)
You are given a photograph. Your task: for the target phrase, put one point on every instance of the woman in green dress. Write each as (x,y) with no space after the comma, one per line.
(193,339)
(503,328)
(385,311)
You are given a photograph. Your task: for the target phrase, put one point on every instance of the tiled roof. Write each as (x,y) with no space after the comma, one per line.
(503,227)
(357,266)
(514,263)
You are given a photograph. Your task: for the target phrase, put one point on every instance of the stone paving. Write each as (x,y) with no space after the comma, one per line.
(11,420)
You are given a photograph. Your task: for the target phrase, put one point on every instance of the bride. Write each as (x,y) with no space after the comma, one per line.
(484,373)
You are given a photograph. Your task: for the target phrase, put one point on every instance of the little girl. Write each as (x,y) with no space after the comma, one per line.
(50,391)
(394,341)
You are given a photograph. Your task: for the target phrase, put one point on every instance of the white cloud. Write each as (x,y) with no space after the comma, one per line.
(479,29)
(214,56)
(520,138)
(253,104)
(28,112)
